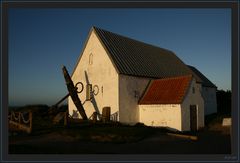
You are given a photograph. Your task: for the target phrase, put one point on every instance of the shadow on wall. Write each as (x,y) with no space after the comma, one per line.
(93,101)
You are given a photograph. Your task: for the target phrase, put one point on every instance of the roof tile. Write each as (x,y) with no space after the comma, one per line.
(166,91)
(135,58)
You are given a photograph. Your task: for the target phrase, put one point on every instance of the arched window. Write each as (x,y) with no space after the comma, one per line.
(90,59)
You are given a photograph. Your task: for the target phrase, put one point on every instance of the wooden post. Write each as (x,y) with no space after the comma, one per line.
(19,117)
(66,118)
(94,117)
(11,116)
(30,121)
(106,112)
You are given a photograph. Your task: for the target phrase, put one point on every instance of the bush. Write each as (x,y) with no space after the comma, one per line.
(224,101)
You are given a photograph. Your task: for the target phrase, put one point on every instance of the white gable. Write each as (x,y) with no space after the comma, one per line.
(95,67)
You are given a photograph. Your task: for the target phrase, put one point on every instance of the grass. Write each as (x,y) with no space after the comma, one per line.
(49,138)
(99,132)
(113,132)
(107,133)
(83,130)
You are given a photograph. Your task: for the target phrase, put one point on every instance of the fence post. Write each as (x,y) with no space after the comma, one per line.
(106,112)
(19,117)
(95,117)
(30,121)
(66,118)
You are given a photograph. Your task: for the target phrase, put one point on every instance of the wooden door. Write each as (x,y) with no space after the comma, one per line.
(193,117)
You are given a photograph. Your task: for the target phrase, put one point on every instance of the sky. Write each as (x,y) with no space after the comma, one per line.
(42,40)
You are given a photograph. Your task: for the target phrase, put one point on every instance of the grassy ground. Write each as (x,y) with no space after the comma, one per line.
(115,138)
(98,132)
(118,140)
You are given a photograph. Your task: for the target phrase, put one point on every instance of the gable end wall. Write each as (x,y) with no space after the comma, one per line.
(210,100)
(100,72)
(192,99)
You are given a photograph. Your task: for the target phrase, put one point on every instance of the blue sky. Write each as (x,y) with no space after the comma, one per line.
(42,40)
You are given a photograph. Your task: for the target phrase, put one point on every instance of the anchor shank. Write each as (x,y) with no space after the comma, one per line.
(73,93)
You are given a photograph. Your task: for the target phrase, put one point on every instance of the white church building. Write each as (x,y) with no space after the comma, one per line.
(141,83)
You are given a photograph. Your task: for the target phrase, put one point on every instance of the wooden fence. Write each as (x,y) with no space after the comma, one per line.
(17,121)
(95,116)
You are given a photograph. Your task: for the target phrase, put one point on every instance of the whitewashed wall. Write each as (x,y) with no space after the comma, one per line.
(210,100)
(192,99)
(130,90)
(99,71)
(165,115)
(175,116)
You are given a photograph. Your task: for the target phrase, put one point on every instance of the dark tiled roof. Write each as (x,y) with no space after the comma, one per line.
(201,78)
(132,57)
(166,91)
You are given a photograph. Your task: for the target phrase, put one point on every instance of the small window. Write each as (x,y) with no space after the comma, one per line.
(193,90)
(91,59)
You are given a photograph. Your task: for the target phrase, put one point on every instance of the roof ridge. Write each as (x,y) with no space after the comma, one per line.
(175,77)
(204,80)
(155,46)
(137,58)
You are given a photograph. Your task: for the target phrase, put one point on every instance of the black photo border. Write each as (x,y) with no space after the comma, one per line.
(233,157)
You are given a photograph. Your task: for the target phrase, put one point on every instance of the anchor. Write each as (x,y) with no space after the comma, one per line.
(76,87)
(73,93)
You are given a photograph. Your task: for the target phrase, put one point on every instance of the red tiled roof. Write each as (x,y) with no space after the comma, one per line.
(166,91)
